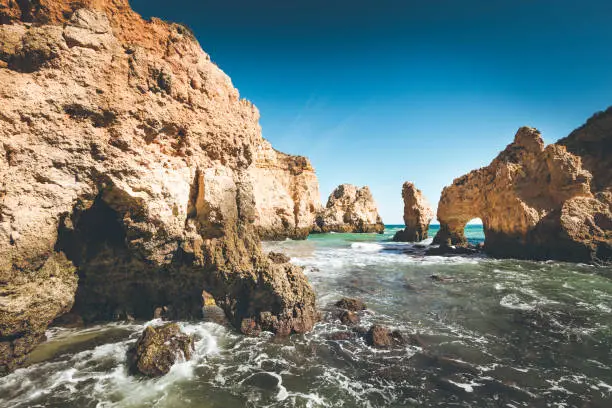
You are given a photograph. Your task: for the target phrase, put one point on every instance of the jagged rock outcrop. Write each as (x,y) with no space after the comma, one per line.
(286,193)
(349,209)
(158,348)
(537,202)
(417,215)
(126,165)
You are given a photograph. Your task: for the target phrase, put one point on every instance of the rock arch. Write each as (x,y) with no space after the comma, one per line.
(534,201)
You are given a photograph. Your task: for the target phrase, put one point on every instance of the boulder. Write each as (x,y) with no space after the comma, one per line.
(417,215)
(351,304)
(349,209)
(127,166)
(210,311)
(382,337)
(539,202)
(158,348)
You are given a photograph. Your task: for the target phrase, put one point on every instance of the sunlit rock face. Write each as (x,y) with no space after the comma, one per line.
(127,166)
(350,209)
(539,202)
(417,215)
(286,193)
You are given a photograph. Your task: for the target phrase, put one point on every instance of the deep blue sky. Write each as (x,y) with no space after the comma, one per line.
(379,92)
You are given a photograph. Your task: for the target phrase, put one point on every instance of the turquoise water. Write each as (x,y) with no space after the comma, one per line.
(494,333)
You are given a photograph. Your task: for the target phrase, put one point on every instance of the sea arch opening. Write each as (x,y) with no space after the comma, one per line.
(473,231)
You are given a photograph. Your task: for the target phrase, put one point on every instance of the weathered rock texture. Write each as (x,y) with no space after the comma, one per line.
(286,193)
(539,202)
(127,163)
(349,209)
(417,215)
(158,348)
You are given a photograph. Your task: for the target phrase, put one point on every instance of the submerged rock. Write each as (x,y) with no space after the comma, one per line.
(349,318)
(538,202)
(450,250)
(129,166)
(351,304)
(263,380)
(158,348)
(350,209)
(417,215)
(341,335)
(382,337)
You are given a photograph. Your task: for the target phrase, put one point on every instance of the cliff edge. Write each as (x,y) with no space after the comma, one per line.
(126,178)
(286,192)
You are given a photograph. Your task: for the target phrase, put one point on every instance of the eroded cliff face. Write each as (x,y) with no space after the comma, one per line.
(539,202)
(350,209)
(286,192)
(126,178)
(417,215)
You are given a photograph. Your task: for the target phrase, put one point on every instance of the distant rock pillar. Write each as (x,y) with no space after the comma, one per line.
(417,215)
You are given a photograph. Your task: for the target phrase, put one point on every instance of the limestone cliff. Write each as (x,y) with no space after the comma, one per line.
(417,215)
(539,202)
(127,166)
(349,209)
(286,194)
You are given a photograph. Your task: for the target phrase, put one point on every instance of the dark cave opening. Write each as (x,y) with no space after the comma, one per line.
(114,282)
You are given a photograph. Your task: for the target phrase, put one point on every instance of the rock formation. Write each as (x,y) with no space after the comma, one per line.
(127,166)
(286,194)
(349,209)
(417,215)
(158,348)
(539,202)
(381,337)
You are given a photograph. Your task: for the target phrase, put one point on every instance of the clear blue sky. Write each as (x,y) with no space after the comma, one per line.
(379,92)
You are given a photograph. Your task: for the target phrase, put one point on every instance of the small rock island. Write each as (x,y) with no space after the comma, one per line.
(350,209)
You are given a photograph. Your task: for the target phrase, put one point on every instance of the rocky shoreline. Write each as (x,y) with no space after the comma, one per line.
(128,179)
(135,179)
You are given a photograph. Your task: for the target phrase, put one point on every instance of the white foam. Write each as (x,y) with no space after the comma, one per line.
(512,301)
(467,387)
(602,384)
(366,246)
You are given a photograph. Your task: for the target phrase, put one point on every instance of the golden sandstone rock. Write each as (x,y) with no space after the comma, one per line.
(539,202)
(129,164)
(286,193)
(350,209)
(417,215)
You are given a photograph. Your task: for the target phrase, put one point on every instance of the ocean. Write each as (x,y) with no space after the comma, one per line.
(480,333)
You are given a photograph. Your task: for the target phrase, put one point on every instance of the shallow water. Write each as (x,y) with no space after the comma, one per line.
(497,333)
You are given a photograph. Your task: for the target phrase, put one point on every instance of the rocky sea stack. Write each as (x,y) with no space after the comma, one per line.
(538,202)
(132,179)
(350,209)
(417,215)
